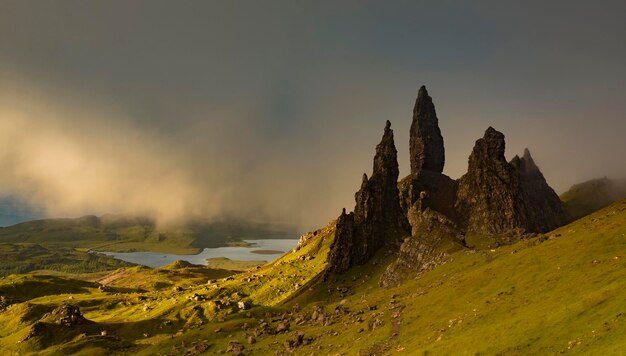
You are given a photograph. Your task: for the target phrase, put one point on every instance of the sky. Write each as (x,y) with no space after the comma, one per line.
(271,110)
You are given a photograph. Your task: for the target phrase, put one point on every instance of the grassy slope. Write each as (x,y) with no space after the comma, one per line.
(587,197)
(534,297)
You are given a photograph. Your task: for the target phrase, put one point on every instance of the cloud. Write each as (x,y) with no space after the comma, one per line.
(73,156)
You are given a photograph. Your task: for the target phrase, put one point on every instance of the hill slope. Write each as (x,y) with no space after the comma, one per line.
(558,292)
(584,198)
(122,233)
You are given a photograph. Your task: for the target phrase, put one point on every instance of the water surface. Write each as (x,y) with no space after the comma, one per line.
(158,259)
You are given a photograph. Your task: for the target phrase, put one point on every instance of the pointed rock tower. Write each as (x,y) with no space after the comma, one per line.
(494,197)
(497,197)
(377,214)
(426,186)
(488,197)
(426,143)
(545,210)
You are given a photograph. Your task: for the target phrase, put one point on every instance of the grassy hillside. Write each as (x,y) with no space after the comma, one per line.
(24,258)
(121,233)
(562,292)
(584,198)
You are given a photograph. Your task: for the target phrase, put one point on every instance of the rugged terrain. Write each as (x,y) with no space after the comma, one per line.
(557,292)
(486,264)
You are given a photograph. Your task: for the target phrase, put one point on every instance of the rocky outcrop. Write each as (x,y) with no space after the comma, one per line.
(425,143)
(377,213)
(5,303)
(66,315)
(487,197)
(544,208)
(433,236)
(496,197)
(429,190)
(340,256)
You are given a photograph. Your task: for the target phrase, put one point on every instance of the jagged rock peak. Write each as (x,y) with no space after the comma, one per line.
(386,158)
(487,197)
(525,164)
(377,212)
(495,140)
(425,142)
(340,257)
(500,197)
(529,161)
(488,148)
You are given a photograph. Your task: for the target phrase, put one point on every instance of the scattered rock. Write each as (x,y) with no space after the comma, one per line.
(5,302)
(282,327)
(35,330)
(67,315)
(235,347)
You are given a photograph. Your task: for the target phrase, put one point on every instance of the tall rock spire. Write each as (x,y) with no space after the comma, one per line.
(544,209)
(488,194)
(377,213)
(425,143)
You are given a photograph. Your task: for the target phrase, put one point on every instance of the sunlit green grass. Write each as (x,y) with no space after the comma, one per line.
(560,292)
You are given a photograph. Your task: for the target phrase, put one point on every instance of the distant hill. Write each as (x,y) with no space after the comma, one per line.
(122,233)
(584,198)
(25,258)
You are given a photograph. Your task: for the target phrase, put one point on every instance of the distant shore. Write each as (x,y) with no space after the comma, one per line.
(267,252)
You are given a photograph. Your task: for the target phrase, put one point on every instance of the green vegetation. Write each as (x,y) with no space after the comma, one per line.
(267,252)
(232,265)
(562,292)
(585,198)
(24,258)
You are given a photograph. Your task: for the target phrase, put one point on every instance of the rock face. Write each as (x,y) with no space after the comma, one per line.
(432,236)
(426,186)
(340,256)
(425,143)
(545,211)
(377,213)
(427,189)
(496,197)
(67,315)
(487,198)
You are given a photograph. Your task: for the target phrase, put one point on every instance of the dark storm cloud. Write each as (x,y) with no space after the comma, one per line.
(272,109)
